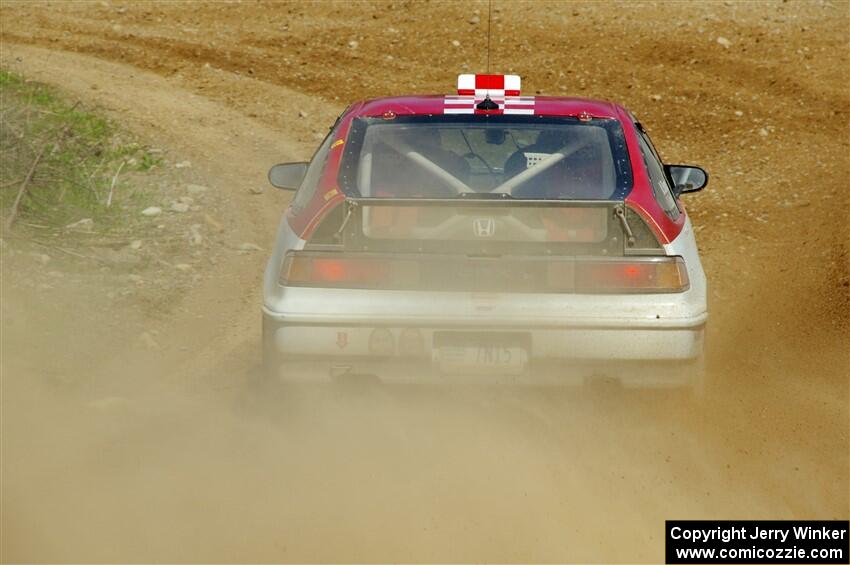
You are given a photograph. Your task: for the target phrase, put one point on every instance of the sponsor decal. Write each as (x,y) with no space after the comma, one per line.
(506,104)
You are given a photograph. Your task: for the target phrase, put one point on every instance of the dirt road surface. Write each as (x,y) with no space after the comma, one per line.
(116,452)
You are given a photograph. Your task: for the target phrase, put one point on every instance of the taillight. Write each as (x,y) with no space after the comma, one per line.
(459,273)
(347,272)
(656,274)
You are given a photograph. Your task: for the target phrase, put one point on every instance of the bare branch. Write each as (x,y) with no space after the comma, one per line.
(10,183)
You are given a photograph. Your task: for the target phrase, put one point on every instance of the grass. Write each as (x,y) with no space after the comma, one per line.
(83,153)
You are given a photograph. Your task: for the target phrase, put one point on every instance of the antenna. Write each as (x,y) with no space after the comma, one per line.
(489,15)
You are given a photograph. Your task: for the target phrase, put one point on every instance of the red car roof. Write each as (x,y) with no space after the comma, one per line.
(435,104)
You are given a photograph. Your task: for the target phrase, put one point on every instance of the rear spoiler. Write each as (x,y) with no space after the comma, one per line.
(497,225)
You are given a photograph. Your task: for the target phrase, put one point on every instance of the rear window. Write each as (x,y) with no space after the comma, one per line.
(524,157)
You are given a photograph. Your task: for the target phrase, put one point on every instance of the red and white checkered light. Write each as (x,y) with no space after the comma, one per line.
(492,85)
(503,90)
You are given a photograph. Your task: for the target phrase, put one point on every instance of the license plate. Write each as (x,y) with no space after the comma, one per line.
(481,359)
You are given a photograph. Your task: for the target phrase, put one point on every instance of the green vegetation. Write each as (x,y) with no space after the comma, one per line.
(82,166)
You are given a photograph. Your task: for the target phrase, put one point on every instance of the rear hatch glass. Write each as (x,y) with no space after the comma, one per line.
(522,157)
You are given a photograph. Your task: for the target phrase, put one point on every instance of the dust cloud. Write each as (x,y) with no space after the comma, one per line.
(114,452)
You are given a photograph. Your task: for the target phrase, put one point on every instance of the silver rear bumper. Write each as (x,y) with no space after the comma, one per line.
(642,352)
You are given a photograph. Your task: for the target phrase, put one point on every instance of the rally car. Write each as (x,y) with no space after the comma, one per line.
(490,236)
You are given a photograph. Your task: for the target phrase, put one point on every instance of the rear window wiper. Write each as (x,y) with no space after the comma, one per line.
(620,213)
(349,210)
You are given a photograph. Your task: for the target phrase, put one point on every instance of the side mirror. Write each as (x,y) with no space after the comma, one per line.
(686,178)
(287,176)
